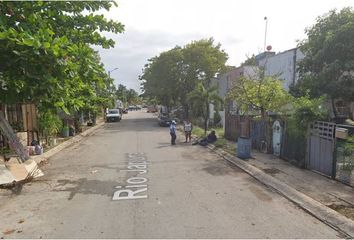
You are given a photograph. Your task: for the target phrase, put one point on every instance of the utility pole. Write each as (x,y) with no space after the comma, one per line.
(265,33)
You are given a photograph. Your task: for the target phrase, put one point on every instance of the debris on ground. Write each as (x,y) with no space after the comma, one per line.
(8,231)
(347,211)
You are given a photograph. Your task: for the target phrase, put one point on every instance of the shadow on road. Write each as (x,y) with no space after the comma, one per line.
(84,186)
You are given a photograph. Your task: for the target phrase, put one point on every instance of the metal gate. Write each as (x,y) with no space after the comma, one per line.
(320,147)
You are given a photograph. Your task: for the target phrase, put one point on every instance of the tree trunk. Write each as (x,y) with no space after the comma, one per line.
(206,117)
(263,114)
(334,109)
(186,110)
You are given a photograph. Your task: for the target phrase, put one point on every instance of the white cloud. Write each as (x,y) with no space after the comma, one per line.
(153,26)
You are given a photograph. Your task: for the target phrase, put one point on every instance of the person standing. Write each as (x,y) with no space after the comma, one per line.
(188,130)
(173,132)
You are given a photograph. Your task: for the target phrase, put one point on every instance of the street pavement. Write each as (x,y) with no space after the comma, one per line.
(127,181)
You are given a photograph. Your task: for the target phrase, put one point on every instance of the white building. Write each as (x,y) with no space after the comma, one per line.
(224,83)
(284,66)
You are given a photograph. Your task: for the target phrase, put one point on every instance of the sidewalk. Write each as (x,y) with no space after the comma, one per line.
(328,200)
(315,185)
(13,171)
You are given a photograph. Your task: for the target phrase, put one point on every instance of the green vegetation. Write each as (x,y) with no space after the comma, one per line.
(308,110)
(127,96)
(259,93)
(47,57)
(217,118)
(327,68)
(49,124)
(174,74)
(219,132)
(197,131)
(346,152)
(200,99)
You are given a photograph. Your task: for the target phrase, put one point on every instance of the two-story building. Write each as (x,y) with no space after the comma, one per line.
(284,66)
(224,83)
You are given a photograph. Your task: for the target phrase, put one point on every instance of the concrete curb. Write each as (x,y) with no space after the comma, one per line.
(315,208)
(58,148)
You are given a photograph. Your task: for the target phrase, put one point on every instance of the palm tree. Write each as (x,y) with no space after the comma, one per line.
(200,99)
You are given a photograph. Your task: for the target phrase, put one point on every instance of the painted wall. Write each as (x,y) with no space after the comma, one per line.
(284,65)
(224,83)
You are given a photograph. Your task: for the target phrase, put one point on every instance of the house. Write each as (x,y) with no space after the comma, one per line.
(224,83)
(283,65)
(23,120)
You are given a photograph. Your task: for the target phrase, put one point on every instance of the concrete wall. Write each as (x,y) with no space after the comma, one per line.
(224,83)
(284,65)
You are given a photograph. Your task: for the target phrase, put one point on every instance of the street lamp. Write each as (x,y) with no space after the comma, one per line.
(109,72)
(265,32)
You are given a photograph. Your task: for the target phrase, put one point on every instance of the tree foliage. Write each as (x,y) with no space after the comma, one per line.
(258,93)
(307,110)
(162,76)
(129,96)
(329,57)
(46,54)
(201,98)
(174,74)
(250,61)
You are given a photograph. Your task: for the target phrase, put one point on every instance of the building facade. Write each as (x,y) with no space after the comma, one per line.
(284,66)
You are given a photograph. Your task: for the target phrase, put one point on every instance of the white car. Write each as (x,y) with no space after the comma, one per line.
(113,115)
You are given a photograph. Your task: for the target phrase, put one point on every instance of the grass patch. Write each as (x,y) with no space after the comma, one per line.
(219,132)
(221,142)
(199,132)
(230,147)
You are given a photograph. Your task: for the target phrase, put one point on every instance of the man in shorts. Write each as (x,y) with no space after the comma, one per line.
(188,130)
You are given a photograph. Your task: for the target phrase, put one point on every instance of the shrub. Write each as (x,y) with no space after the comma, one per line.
(217,118)
(49,124)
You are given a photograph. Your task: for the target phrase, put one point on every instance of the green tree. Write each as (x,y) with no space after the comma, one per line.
(172,75)
(201,98)
(259,93)
(46,55)
(162,75)
(132,96)
(329,57)
(121,93)
(202,61)
(307,110)
(250,61)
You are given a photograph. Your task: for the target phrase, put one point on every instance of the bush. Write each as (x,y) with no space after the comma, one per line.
(217,118)
(307,111)
(49,124)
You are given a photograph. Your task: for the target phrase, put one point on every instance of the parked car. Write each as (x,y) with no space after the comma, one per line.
(113,115)
(132,108)
(164,120)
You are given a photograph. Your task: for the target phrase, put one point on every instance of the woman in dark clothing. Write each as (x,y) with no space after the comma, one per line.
(211,138)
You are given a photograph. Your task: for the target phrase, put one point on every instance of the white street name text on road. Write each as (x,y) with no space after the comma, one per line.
(136,185)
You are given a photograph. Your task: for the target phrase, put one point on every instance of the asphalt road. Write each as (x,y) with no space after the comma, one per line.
(127,181)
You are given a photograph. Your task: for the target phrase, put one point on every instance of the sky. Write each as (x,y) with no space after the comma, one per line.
(154,26)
